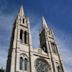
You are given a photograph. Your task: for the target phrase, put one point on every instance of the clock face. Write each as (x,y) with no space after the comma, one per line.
(42,65)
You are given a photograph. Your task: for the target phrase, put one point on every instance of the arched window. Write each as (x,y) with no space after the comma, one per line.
(23,20)
(21,63)
(58,69)
(25,37)
(54,48)
(25,64)
(21,34)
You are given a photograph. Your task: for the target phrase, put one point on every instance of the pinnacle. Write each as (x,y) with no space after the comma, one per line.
(21,11)
(44,24)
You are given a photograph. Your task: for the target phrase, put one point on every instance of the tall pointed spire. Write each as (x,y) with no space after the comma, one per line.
(44,24)
(21,11)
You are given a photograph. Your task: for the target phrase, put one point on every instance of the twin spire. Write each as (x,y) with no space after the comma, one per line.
(44,24)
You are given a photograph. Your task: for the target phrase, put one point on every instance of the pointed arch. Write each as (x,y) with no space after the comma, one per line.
(23,20)
(25,37)
(58,69)
(21,34)
(21,63)
(54,48)
(25,63)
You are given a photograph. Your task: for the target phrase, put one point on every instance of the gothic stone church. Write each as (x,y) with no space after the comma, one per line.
(23,58)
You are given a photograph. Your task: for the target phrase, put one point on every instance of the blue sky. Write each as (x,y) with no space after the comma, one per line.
(58,14)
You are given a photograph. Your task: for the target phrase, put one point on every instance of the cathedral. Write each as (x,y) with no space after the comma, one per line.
(22,57)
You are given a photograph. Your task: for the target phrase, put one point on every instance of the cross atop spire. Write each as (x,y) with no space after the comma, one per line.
(21,11)
(44,24)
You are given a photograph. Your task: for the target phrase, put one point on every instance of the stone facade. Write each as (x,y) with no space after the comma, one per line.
(23,58)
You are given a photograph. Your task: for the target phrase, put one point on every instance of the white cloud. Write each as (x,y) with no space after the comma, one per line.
(35,36)
(65,51)
(5,30)
(3,57)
